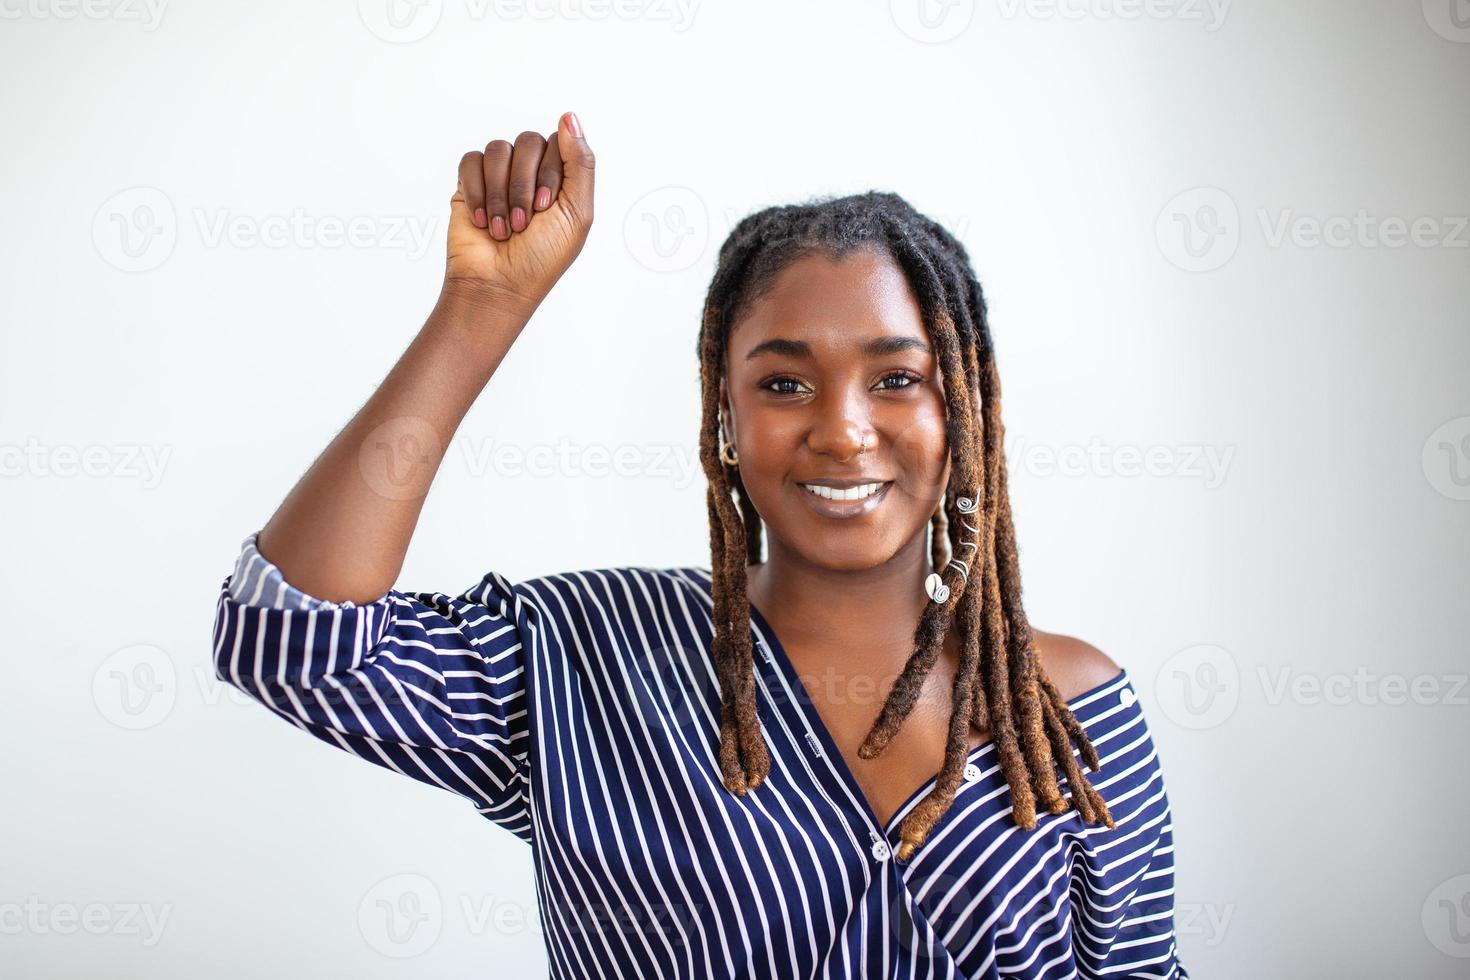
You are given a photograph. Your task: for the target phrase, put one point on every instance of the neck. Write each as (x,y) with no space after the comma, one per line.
(824,612)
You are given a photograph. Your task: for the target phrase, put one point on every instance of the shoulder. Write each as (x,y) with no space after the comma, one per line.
(1074,666)
(623,586)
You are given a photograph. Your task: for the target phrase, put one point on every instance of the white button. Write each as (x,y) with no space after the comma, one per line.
(1127,698)
(880,850)
(972,773)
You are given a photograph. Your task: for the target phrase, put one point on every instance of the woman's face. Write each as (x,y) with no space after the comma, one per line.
(832,359)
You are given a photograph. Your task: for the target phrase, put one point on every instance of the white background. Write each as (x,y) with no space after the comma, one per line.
(1272,606)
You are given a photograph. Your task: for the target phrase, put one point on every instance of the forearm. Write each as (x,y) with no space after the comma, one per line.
(343,530)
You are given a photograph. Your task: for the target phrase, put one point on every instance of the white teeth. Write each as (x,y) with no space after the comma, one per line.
(853,493)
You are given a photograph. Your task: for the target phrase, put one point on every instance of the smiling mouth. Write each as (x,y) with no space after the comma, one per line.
(845,502)
(859,492)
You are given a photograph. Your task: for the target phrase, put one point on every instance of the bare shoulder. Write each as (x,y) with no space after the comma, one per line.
(1074,666)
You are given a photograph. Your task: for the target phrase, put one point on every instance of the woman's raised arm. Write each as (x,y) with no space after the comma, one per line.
(518,218)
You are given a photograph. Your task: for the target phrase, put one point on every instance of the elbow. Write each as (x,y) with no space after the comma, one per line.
(226,637)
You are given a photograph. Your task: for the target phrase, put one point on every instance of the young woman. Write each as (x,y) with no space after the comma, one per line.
(840,749)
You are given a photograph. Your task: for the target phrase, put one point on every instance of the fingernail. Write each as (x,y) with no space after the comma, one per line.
(497,226)
(574,124)
(479,217)
(543,199)
(518,218)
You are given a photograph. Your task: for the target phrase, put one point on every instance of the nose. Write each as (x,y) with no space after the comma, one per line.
(841,428)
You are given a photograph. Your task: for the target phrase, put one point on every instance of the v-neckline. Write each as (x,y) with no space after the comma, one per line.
(839,763)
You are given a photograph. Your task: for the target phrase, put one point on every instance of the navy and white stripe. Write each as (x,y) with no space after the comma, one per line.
(580,711)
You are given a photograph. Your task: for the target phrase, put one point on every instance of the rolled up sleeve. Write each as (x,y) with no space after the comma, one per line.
(426,684)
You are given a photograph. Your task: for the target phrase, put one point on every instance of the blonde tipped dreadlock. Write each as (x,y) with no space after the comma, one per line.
(1000,685)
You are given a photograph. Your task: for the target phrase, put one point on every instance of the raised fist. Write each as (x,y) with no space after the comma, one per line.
(520,215)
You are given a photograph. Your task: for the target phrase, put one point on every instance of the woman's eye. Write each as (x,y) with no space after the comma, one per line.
(781,381)
(903,376)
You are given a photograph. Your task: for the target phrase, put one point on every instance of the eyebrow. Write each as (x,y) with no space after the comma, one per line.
(877,347)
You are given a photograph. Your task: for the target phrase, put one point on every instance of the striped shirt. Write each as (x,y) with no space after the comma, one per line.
(579,711)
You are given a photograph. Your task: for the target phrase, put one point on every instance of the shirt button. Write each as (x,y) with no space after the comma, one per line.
(1127,698)
(972,773)
(880,850)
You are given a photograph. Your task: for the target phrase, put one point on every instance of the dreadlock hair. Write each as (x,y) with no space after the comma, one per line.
(999,685)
